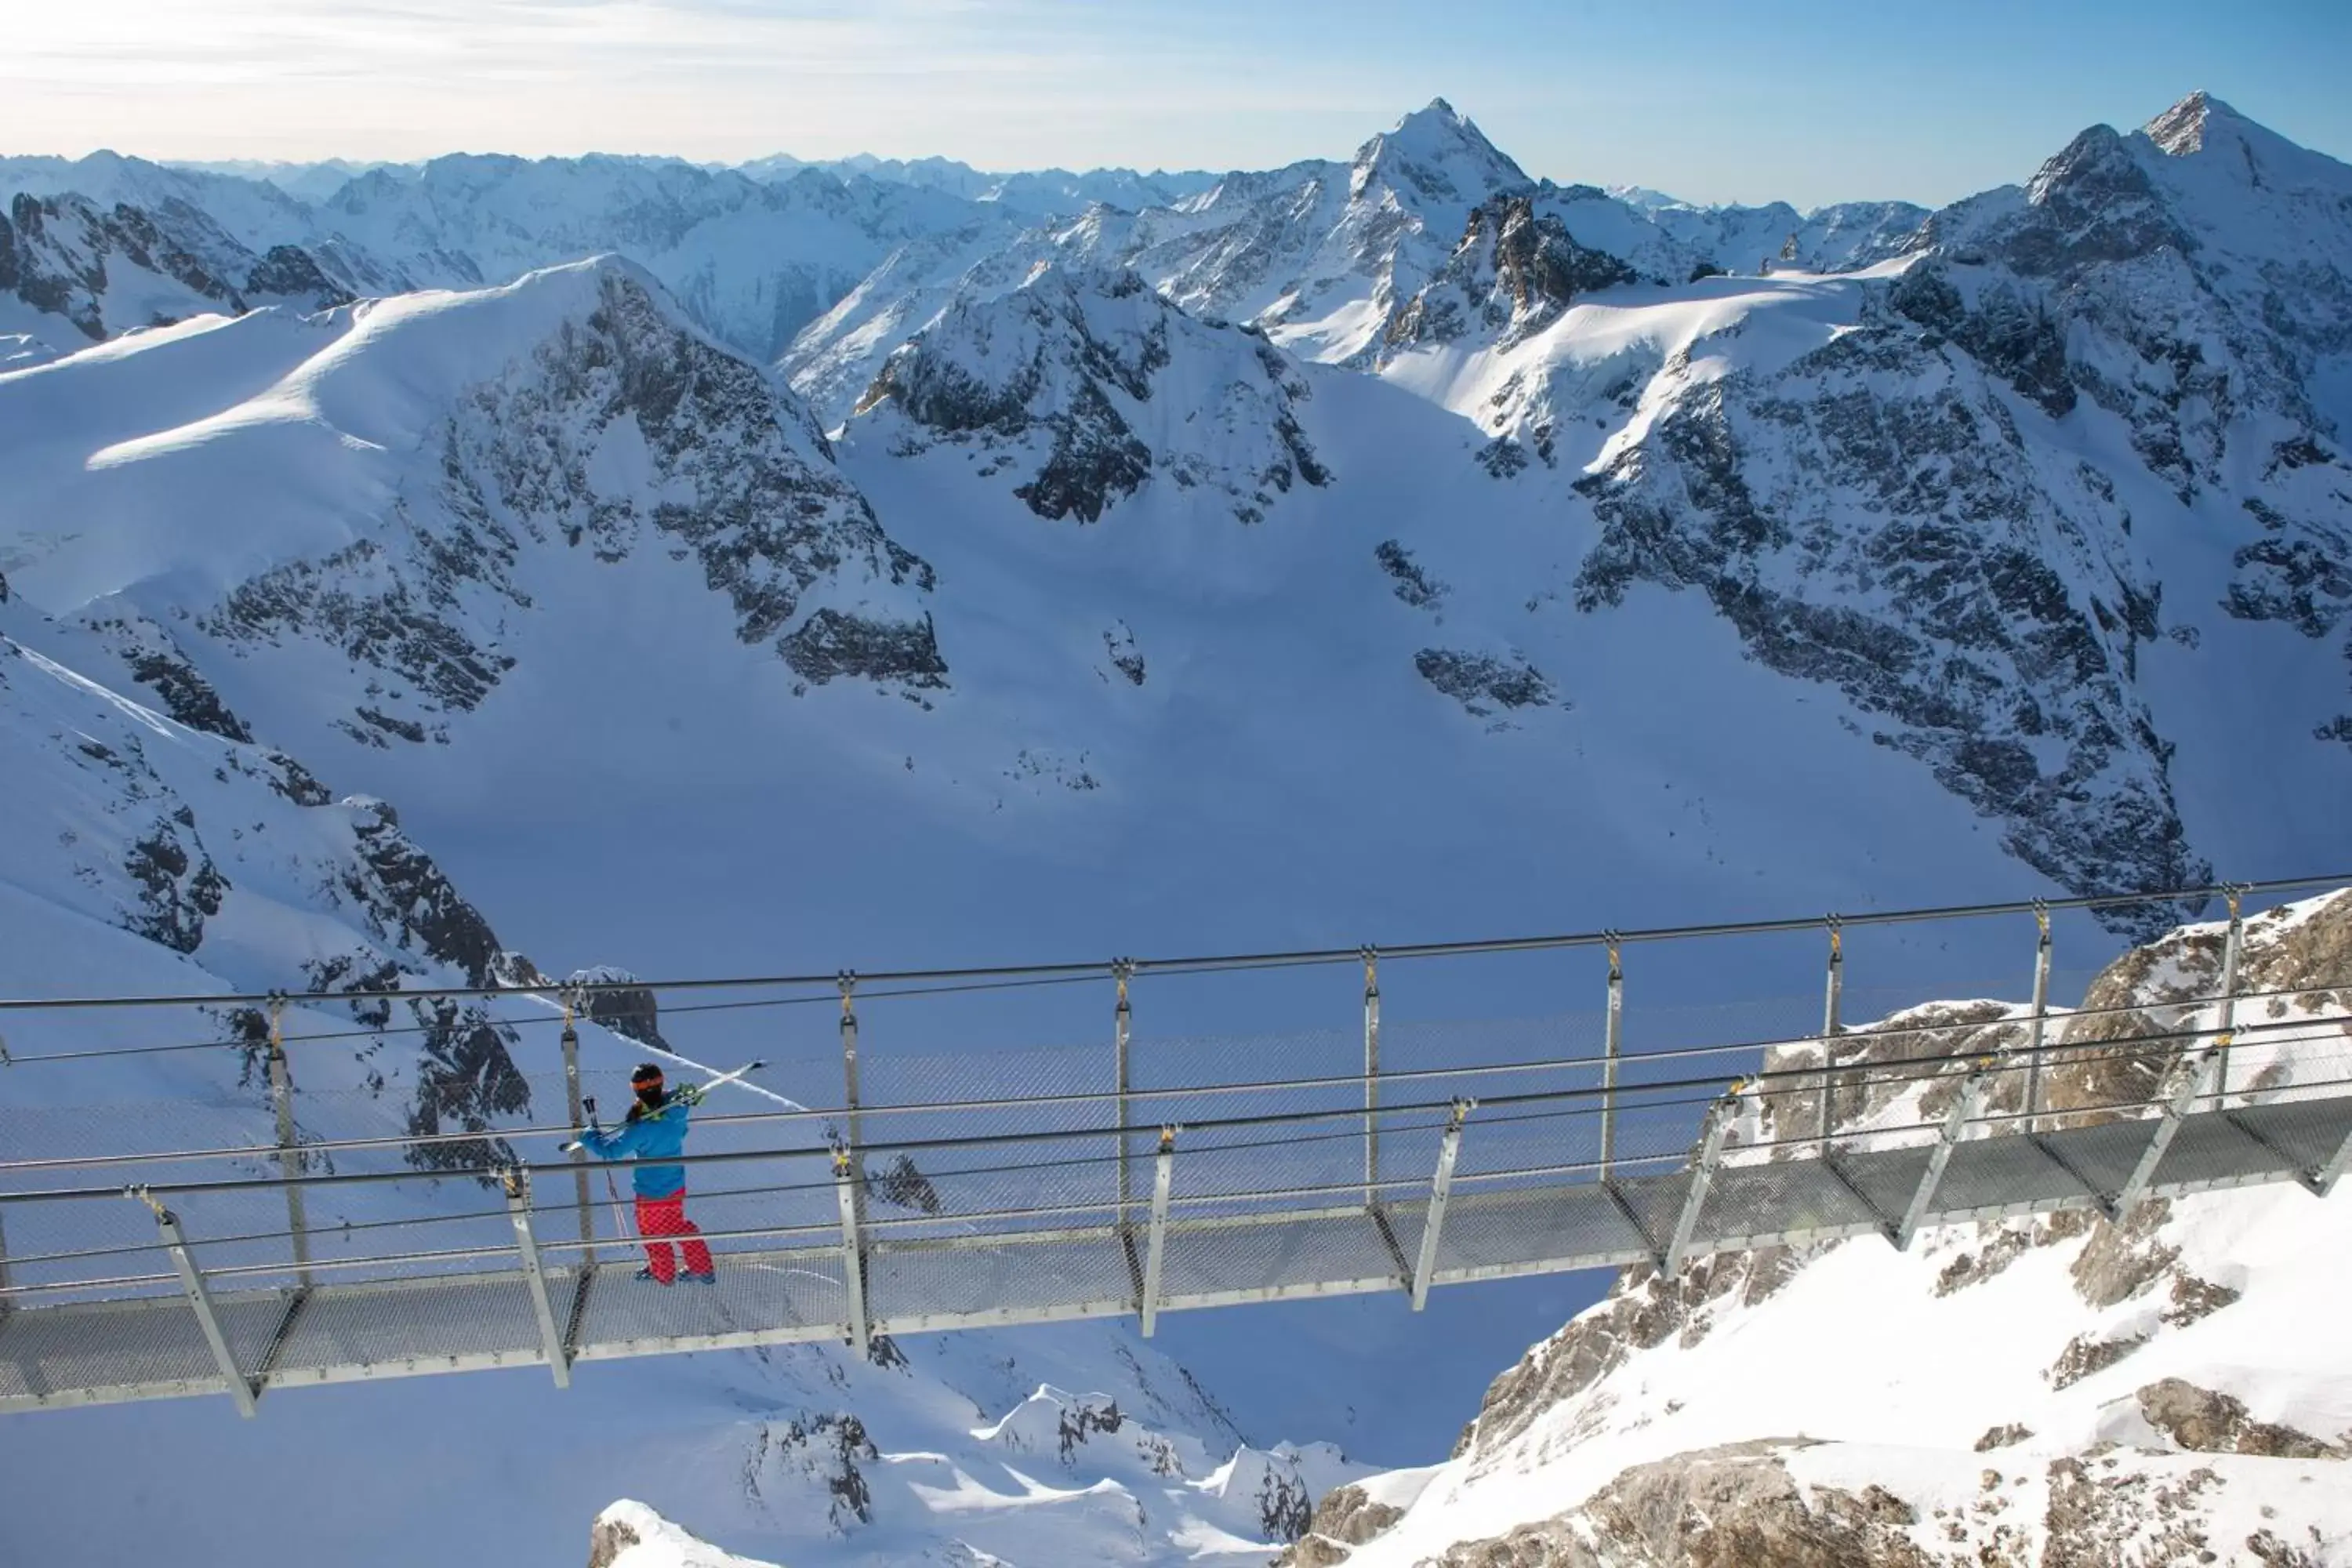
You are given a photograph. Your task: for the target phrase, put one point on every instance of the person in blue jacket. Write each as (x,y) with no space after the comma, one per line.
(655,1131)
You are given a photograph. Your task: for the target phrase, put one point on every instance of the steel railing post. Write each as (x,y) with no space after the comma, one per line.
(289,1156)
(1956,1127)
(1163,1182)
(1612,1046)
(2189,1075)
(577,1106)
(1441,1188)
(2231,948)
(847,981)
(1372,1077)
(1710,1151)
(847,1186)
(517,1182)
(192,1280)
(1834,995)
(1123,1019)
(2037,1027)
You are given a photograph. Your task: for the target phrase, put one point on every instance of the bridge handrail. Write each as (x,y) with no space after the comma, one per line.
(1802,1080)
(1096,969)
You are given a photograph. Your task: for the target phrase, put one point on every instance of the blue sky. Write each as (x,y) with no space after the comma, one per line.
(1711,100)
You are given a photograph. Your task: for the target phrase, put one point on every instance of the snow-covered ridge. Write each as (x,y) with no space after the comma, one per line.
(431,454)
(2024,1391)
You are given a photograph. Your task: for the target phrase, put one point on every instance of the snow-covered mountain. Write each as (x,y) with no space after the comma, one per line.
(1395,545)
(2175,1388)
(1326,255)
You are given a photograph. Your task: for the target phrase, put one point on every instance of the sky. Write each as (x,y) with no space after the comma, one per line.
(1708,100)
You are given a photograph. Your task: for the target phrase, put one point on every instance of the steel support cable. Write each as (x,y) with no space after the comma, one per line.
(529,1021)
(1352,1187)
(970,1141)
(1274,1086)
(251,1237)
(1869,1073)
(1097,969)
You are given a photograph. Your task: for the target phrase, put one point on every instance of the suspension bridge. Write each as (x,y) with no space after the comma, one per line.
(282,1239)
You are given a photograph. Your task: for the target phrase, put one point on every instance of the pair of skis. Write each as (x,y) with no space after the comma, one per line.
(691,1095)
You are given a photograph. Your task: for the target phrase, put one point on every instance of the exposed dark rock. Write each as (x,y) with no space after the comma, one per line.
(288,271)
(607,1539)
(745,490)
(1070,366)
(825,1451)
(185,694)
(1081,1420)
(1349,1515)
(2086,1354)
(2004,1436)
(2194,1299)
(1730,1507)
(1282,1506)
(904,1184)
(1414,585)
(466,1079)
(2016,339)
(1643,1310)
(1482,683)
(832,643)
(1966,618)
(179,886)
(633,1012)
(1127,659)
(2207,1422)
(2119,1261)
(1512,275)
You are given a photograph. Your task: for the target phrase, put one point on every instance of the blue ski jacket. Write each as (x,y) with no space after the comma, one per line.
(648,1138)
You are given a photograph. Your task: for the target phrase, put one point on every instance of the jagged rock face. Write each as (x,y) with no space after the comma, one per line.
(53,256)
(1059,378)
(107,269)
(1644,1310)
(814,1460)
(2205,1422)
(738,477)
(2199,274)
(1735,1507)
(1513,274)
(177,834)
(1944,617)
(1482,683)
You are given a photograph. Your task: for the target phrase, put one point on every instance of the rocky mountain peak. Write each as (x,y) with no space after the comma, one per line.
(1062,372)
(1514,273)
(1438,153)
(2184,128)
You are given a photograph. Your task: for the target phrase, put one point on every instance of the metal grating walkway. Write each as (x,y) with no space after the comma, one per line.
(156,1346)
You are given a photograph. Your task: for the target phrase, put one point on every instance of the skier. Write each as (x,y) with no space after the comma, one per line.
(655,1130)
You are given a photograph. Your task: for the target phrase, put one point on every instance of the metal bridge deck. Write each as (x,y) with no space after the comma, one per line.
(1219,1249)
